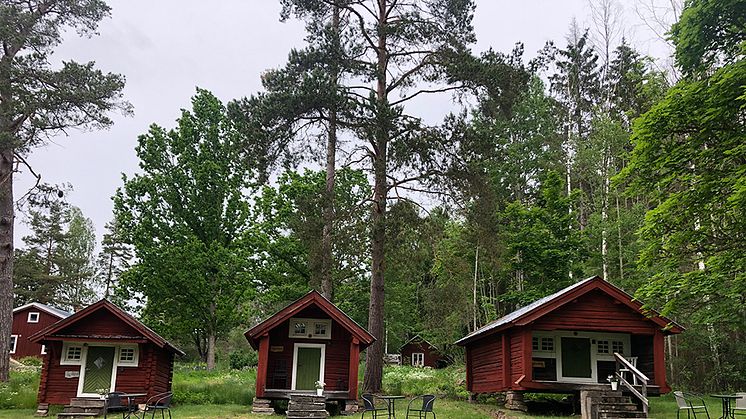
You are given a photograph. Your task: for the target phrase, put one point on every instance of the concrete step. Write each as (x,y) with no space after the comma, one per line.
(87,402)
(612,399)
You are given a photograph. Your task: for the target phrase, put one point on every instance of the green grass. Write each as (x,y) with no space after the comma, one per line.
(221,386)
(20,391)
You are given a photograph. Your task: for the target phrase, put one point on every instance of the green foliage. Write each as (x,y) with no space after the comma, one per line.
(195,386)
(186,216)
(410,381)
(242,359)
(31,361)
(709,34)
(20,391)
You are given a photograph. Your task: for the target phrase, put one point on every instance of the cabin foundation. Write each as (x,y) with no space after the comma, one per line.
(351,408)
(514,401)
(262,407)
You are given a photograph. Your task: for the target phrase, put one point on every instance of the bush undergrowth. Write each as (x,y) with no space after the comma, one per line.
(20,391)
(194,385)
(410,381)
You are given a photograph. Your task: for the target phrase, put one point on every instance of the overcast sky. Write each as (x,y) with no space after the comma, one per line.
(165,48)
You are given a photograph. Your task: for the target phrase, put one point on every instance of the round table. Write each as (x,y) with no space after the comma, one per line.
(726,398)
(391,402)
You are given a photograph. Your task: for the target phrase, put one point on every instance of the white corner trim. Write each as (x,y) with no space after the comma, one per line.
(295,360)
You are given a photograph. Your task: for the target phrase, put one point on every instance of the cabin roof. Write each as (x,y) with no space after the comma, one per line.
(417,338)
(104,304)
(311,298)
(542,306)
(54,311)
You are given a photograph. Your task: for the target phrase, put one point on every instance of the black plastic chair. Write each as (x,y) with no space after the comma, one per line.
(159,403)
(114,405)
(691,403)
(428,400)
(369,405)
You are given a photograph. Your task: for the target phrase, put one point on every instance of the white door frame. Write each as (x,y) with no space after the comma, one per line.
(84,361)
(295,360)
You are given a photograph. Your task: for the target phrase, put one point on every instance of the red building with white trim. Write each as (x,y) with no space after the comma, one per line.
(566,341)
(27,320)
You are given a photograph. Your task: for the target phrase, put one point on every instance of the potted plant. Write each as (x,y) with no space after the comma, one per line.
(614,381)
(320,388)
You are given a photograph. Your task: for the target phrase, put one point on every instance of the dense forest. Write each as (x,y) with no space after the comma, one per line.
(589,158)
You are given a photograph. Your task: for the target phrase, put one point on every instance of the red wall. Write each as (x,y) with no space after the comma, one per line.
(153,375)
(24,329)
(596,311)
(337,353)
(431,354)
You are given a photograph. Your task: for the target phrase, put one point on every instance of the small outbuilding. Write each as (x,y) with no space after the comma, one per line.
(308,341)
(102,349)
(418,352)
(566,342)
(27,320)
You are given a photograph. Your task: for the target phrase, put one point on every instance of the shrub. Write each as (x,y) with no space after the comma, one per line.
(410,381)
(30,361)
(192,386)
(241,359)
(20,391)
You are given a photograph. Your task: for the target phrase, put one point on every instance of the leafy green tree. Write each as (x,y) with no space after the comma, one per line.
(186,215)
(39,276)
(688,160)
(77,261)
(112,261)
(39,101)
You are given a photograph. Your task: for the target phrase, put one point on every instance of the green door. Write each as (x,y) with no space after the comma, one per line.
(576,357)
(308,368)
(98,369)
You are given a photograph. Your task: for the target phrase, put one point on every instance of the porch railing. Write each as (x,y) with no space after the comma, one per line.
(623,365)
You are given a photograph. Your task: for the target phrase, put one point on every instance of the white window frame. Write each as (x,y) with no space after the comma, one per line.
(30,313)
(65,347)
(43,349)
(14,345)
(594,337)
(418,359)
(136,358)
(310,328)
(295,360)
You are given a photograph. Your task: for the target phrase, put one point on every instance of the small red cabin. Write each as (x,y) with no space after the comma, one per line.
(310,340)
(27,320)
(418,352)
(566,342)
(102,349)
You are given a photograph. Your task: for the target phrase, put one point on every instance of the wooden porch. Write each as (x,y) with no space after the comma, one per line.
(283,394)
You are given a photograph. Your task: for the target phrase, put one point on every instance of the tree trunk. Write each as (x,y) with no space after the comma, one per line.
(327,284)
(605,216)
(6,259)
(374,355)
(211,351)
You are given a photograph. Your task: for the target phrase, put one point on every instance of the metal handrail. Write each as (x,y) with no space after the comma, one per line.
(643,379)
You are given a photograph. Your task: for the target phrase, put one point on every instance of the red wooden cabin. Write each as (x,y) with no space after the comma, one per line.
(100,349)
(418,352)
(310,340)
(27,320)
(566,341)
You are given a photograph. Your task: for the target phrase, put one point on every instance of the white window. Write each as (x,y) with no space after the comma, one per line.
(610,346)
(43,349)
(72,354)
(128,356)
(602,346)
(13,343)
(617,346)
(418,359)
(33,317)
(542,344)
(310,328)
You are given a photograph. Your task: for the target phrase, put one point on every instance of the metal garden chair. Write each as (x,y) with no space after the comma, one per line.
(369,405)
(691,403)
(159,403)
(740,407)
(428,400)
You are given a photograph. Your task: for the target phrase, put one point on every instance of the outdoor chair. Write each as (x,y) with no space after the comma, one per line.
(740,405)
(369,405)
(428,400)
(691,403)
(159,403)
(114,405)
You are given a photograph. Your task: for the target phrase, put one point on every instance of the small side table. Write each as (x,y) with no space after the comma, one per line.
(726,399)
(391,403)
